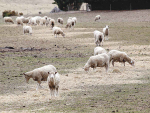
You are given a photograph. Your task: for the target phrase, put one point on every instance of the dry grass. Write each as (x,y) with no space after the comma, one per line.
(95,91)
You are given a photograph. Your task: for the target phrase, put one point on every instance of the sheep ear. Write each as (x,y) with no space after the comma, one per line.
(55,72)
(48,72)
(24,74)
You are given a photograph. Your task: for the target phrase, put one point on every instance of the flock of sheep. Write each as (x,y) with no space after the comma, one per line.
(48,73)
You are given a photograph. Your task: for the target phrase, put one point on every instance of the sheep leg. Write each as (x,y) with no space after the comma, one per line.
(107,66)
(113,63)
(57,91)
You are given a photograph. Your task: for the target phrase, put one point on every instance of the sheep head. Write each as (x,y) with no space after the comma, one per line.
(86,67)
(52,75)
(27,77)
(132,62)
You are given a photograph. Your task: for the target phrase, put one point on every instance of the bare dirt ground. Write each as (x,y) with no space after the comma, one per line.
(122,89)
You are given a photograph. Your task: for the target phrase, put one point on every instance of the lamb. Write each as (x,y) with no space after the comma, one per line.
(105,31)
(97,17)
(27,29)
(57,31)
(60,21)
(118,56)
(69,23)
(33,21)
(52,23)
(39,74)
(20,20)
(99,50)
(53,83)
(100,60)
(8,19)
(99,38)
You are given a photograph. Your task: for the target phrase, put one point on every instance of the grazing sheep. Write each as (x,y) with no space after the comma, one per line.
(52,23)
(53,83)
(99,50)
(43,21)
(8,19)
(60,21)
(57,31)
(27,29)
(37,18)
(69,23)
(74,19)
(99,38)
(26,20)
(105,31)
(118,56)
(97,17)
(20,20)
(100,60)
(39,74)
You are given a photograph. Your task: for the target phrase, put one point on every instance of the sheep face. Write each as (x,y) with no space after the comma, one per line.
(63,35)
(51,75)
(86,68)
(132,63)
(26,77)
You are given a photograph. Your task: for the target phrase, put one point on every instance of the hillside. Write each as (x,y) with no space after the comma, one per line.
(27,6)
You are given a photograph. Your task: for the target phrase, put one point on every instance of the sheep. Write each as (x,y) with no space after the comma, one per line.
(75,19)
(118,56)
(20,20)
(33,21)
(60,21)
(8,19)
(99,50)
(57,31)
(53,83)
(37,18)
(97,17)
(52,23)
(26,20)
(39,74)
(27,29)
(43,21)
(100,60)
(69,23)
(47,21)
(105,31)
(99,38)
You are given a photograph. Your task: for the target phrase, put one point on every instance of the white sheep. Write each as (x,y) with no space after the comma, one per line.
(37,18)
(26,20)
(52,23)
(43,21)
(8,19)
(99,50)
(20,20)
(106,31)
(99,38)
(100,60)
(53,83)
(97,17)
(69,23)
(32,21)
(48,21)
(60,21)
(118,56)
(57,31)
(75,19)
(39,74)
(27,29)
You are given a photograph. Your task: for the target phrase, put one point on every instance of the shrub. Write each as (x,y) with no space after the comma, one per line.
(9,13)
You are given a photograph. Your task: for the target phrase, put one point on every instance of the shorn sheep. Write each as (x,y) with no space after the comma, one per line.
(60,21)
(97,17)
(39,74)
(27,29)
(99,50)
(118,56)
(57,31)
(8,20)
(53,83)
(105,31)
(100,60)
(99,38)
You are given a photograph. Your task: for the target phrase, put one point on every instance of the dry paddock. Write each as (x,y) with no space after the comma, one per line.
(122,89)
